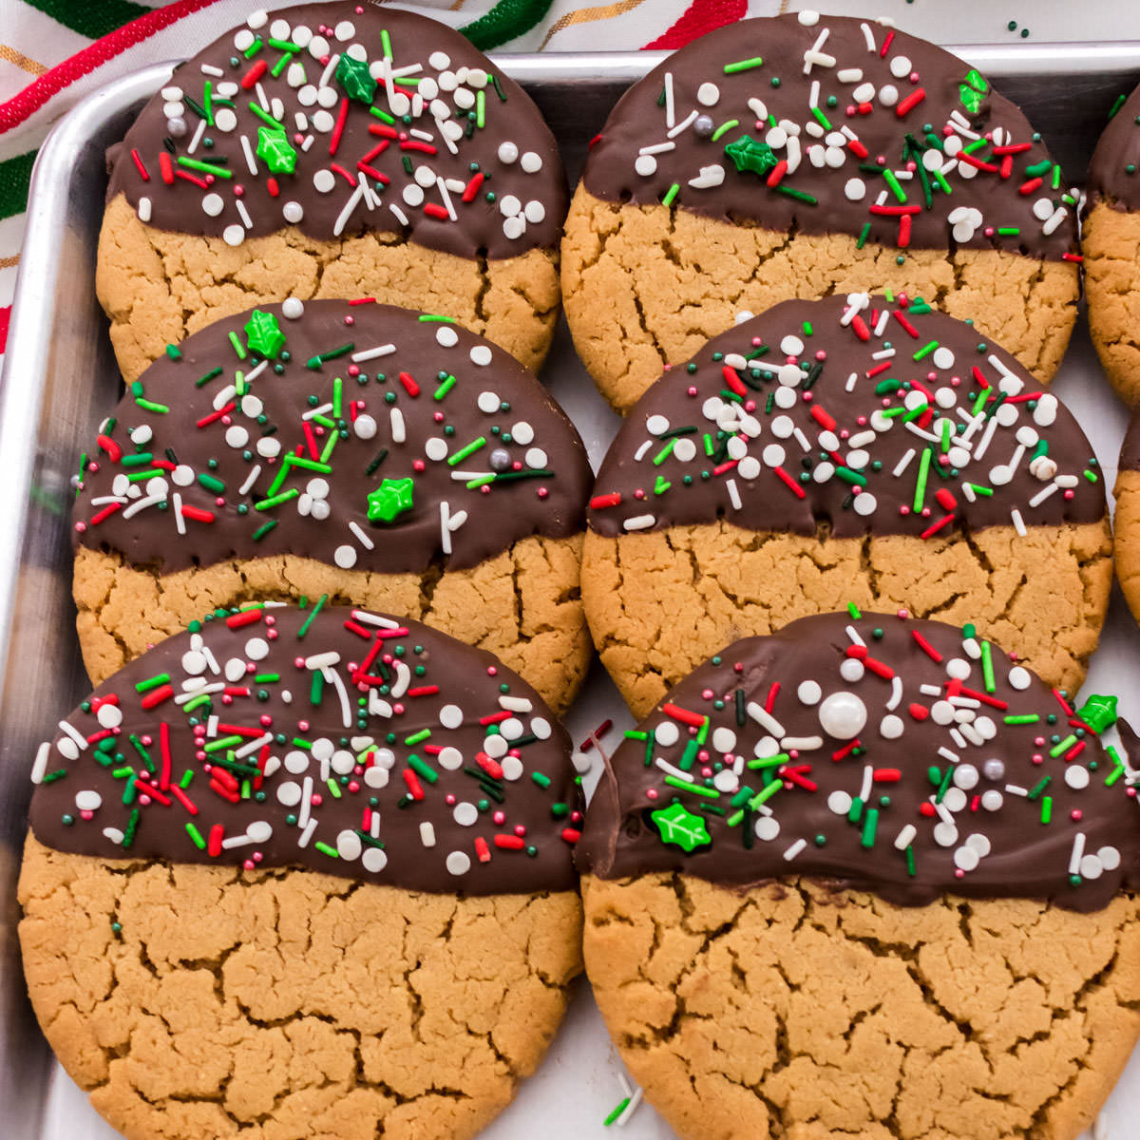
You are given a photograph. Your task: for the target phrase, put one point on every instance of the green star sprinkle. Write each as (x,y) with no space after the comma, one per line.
(1098,712)
(356,79)
(681,827)
(274,149)
(748,154)
(973,91)
(392,498)
(264,335)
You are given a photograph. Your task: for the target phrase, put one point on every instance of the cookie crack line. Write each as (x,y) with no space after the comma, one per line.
(623,964)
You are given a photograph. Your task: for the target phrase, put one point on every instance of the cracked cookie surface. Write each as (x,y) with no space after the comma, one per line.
(646,286)
(284,1004)
(638,592)
(790,1011)
(522,605)
(158,286)
(1111,241)
(1126,527)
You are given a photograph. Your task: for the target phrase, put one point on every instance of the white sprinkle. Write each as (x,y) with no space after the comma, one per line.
(733,494)
(306,808)
(640,522)
(78,737)
(1016,790)
(375,619)
(399,435)
(1042,495)
(144,210)
(401,217)
(309,828)
(802,743)
(1018,522)
(250,161)
(946,754)
(868,780)
(665,766)
(197,137)
(444,529)
(683,125)
(795,849)
(765,719)
(39,768)
(905,837)
(670,113)
(1078,852)
(630,1108)
(427,833)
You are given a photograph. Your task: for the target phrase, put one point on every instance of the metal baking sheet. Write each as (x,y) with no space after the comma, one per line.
(60,378)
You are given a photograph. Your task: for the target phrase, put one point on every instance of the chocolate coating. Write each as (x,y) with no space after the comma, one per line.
(989,823)
(320,192)
(210,454)
(312,741)
(1130,448)
(894,128)
(1109,179)
(793,415)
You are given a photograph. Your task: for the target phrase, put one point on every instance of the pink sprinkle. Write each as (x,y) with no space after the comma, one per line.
(1038,758)
(500,818)
(520,830)
(350,320)
(902,615)
(959,873)
(707,694)
(543,492)
(1075,815)
(353,786)
(80,527)
(692,390)
(450,799)
(303,725)
(651,793)
(316,799)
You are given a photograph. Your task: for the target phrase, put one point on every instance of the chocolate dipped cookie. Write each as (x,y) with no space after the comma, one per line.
(358,452)
(855,449)
(334,150)
(801,156)
(1110,236)
(303,873)
(868,877)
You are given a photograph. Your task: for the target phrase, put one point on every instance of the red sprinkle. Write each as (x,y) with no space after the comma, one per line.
(489,765)
(821,417)
(338,130)
(105,513)
(410,386)
(183,799)
(482,850)
(246,617)
(113,450)
(215,845)
(510,842)
(166,168)
(1028,187)
(197,514)
(697,720)
(599,502)
(860,327)
(423,691)
(927,648)
(139,165)
(800,493)
(414,785)
(435,210)
(887,775)
(571,834)
(910,102)
(254,74)
(343,173)
(778,172)
(157,696)
(919,712)
(472,187)
(733,380)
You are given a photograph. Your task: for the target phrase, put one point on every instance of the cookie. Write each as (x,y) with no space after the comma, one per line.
(851,450)
(356,451)
(800,157)
(333,150)
(1110,234)
(867,877)
(303,873)
(1126,521)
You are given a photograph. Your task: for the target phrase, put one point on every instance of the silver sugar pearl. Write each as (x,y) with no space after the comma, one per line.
(500,459)
(703,126)
(176,128)
(994,769)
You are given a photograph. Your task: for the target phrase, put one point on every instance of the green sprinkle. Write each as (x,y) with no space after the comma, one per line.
(696,789)
(910,861)
(1047,809)
(416,737)
(725,126)
(897,190)
(155,682)
(541,779)
(870,826)
(206,167)
(671,194)
(309,621)
(277,500)
(383,116)
(744,65)
(618,1109)
(201,699)
(663,454)
(222,743)
(1063,746)
(1040,787)
(151,406)
(864,234)
(263,530)
(853,610)
(823,121)
(325,849)
(799,195)
(445,386)
(196,836)
(1118,771)
(926,350)
(187,779)
(988,667)
(334,787)
(920,485)
(211,483)
(386,43)
(464,452)
(765,794)
(1022,718)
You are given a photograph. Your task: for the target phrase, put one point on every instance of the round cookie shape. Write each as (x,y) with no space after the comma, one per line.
(860,412)
(363,435)
(856,450)
(1110,228)
(386,457)
(351,743)
(389,97)
(905,758)
(836,153)
(361,151)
